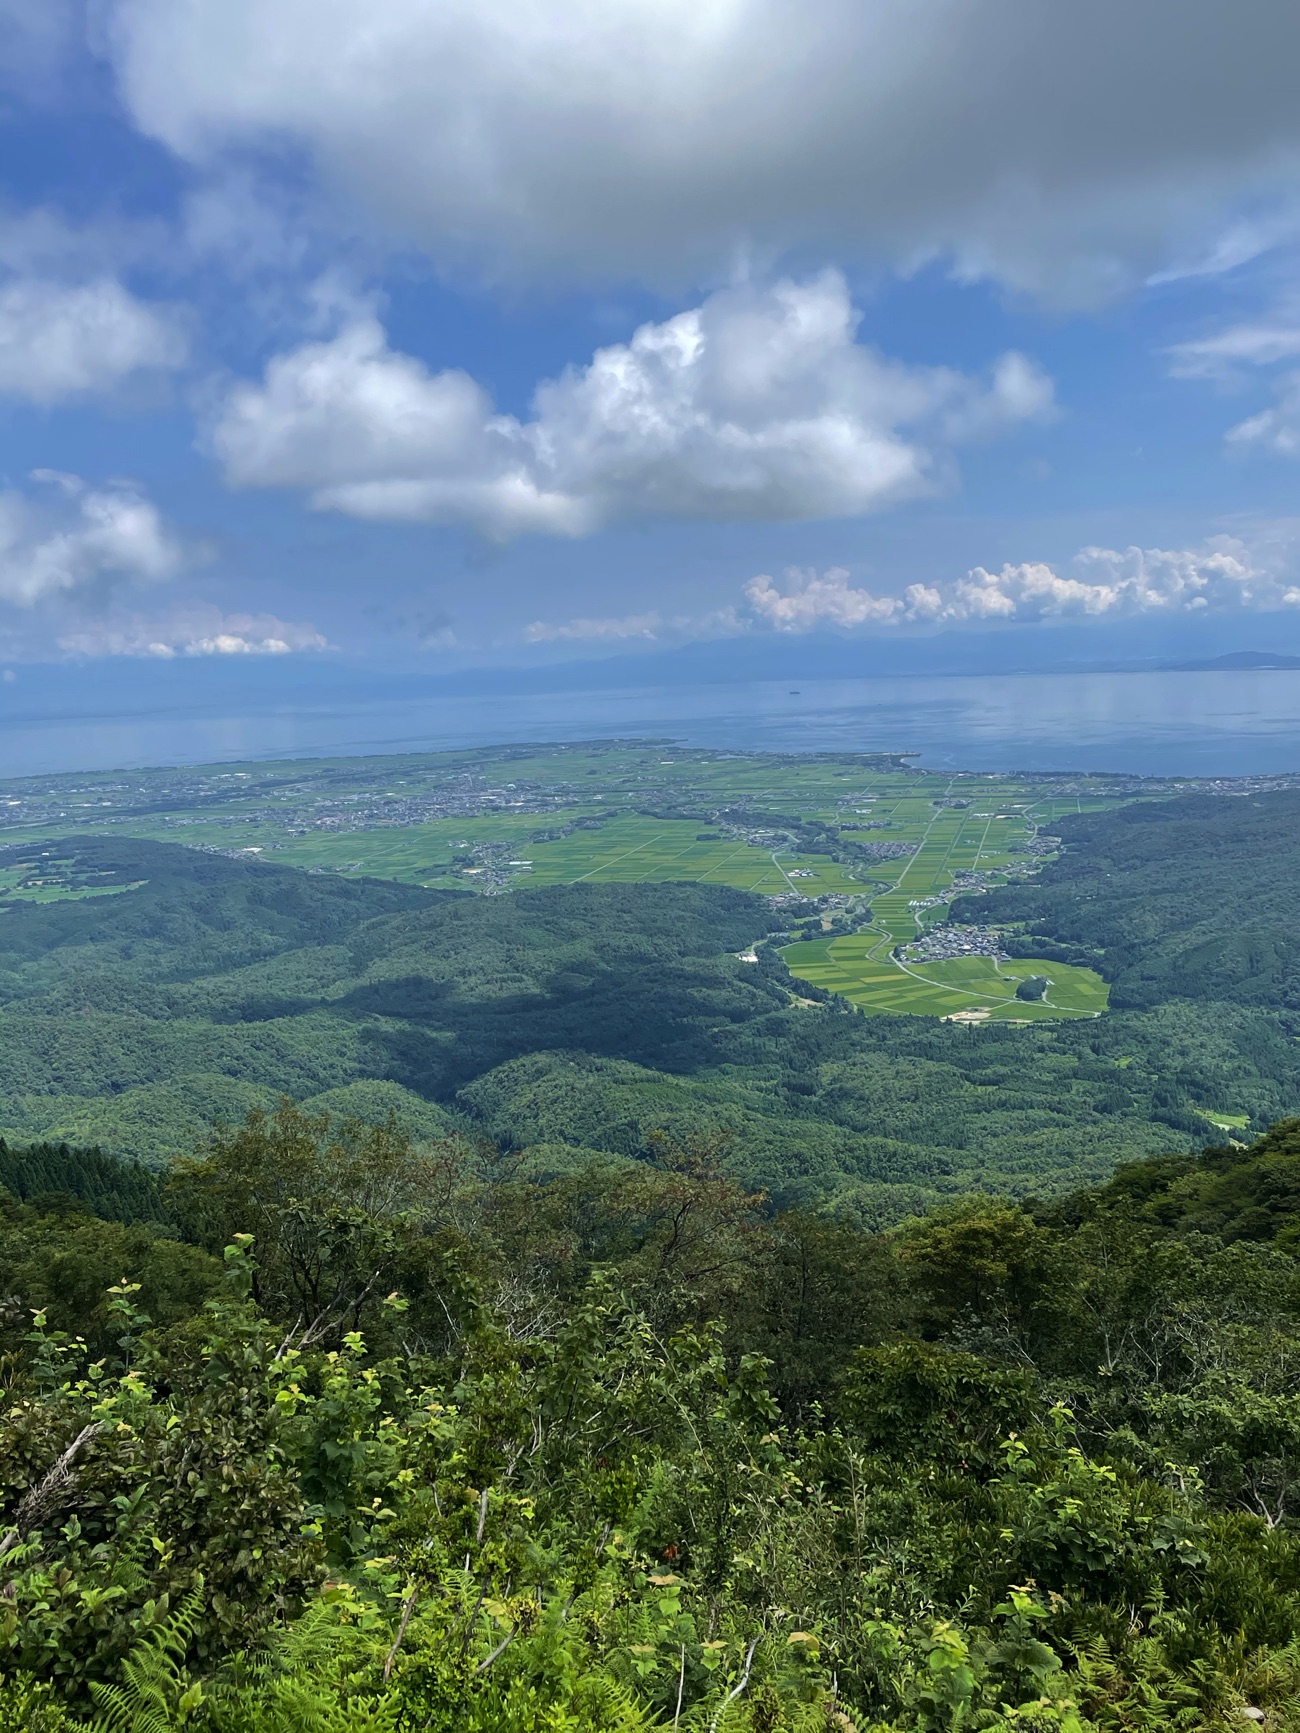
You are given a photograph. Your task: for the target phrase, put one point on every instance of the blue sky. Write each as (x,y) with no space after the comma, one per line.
(423,336)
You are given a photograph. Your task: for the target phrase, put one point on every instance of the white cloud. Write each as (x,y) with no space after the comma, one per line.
(758,404)
(1245,239)
(1252,343)
(811,600)
(197,631)
(1068,149)
(1226,358)
(630,626)
(57,340)
(1276,429)
(68,323)
(1222,574)
(39,241)
(66,537)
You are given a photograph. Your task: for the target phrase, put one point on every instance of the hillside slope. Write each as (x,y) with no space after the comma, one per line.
(580,1017)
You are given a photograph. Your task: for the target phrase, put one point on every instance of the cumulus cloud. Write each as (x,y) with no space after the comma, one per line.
(1222,574)
(197,631)
(758,404)
(65,536)
(57,340)
(630,626)
(813,599)
(1068,149)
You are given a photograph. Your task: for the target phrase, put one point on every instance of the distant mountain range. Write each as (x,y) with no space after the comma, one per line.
(1247,661)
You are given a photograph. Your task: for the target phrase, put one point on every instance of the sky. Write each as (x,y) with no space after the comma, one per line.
(419,336)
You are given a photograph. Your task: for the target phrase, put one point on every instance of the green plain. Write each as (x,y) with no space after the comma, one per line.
(364,817)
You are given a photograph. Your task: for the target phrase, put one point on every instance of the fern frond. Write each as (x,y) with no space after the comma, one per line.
(155,1694)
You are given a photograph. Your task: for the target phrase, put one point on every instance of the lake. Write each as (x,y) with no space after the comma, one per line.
(1200,724)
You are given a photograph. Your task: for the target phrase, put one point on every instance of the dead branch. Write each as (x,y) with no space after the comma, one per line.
(44,1497)
(737,1688)
(407,1607)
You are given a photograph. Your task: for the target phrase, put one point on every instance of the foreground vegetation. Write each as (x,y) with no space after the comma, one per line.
(356,1434)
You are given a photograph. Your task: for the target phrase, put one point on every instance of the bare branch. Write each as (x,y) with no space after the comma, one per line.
(737,1689)
(500,1649)
(287,1343)
(407,1607)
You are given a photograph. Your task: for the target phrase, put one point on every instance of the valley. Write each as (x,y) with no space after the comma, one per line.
(698,958)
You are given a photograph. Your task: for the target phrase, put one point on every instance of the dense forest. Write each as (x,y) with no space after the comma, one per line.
(358,1434)
(571,1020)
(1190,899)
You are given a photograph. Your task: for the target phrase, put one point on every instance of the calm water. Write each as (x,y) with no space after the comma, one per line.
(1196,724)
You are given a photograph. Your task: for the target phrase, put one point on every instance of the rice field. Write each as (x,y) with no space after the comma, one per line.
(862,966)
(612,813)
(632,849)
(966,989)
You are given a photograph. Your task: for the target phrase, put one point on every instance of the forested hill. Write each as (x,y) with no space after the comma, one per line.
(563,1021)
(1236,1194)
(1195,898)
(178,912)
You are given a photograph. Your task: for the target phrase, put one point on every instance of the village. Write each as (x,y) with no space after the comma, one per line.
(942,943)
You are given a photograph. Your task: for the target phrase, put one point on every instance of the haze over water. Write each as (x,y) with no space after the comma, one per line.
(1205,724)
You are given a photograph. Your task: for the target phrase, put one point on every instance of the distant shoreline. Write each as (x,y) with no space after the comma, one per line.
(1237,662)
